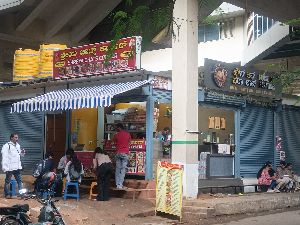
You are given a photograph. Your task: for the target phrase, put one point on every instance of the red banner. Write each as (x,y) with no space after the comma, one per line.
(86,158)
(135,144)
(90,59)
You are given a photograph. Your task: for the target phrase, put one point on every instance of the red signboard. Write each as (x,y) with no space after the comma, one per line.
(90,59)
(86,158)
(135,144)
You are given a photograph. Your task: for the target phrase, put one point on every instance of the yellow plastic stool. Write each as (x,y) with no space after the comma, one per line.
(91,190)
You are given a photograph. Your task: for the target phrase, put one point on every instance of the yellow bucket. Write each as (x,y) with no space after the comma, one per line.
(26,64)
(46,59)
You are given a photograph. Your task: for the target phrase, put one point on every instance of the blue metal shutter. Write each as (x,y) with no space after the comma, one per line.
(256,139)
(289,130)
(29,127)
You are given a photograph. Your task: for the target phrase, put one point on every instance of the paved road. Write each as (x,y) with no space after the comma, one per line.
(281,218)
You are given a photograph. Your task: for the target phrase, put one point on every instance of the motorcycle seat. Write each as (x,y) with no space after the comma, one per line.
(14,209)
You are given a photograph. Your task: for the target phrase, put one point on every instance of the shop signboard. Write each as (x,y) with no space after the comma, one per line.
(169,188)
(162,83)
(133,145)
(90,59)
(86,158)
(232,77)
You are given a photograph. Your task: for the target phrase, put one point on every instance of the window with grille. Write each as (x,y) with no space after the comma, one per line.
(220,30)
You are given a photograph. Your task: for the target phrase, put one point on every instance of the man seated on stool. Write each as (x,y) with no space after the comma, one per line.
(282,179)
(294,178)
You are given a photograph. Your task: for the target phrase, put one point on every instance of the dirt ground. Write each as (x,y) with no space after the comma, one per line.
(90,212)
(117,211)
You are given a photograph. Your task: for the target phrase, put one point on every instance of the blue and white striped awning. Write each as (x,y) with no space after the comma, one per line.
(77,98)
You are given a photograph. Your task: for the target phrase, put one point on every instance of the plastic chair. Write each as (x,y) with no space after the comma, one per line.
(73,195)
(91,190)
(13,187)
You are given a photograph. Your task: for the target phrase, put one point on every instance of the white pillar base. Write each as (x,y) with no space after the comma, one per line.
(190,180)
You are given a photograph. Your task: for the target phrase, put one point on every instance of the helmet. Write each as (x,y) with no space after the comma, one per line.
(48,179)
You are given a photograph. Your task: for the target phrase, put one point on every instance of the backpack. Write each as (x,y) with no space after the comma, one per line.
(74,175)
(38,169)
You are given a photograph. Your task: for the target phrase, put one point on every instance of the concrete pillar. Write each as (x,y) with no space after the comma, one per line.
(100,126)
(149,138)
(185,93)
(2,76)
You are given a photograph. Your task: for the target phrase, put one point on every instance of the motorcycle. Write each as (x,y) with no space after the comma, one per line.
(17,214)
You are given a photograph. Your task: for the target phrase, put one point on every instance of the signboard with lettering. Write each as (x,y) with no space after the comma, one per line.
(134,144)
(90,59)
(234,78)
(169,188)
(163,83)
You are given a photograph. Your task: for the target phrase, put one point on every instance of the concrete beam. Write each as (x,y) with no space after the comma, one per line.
(266,44)
(63,17)
(33,15)
(93,19)
(274,9)
(18,39)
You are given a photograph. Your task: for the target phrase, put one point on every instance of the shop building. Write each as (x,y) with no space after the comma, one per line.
(258,116)
(81,128)
(247,119)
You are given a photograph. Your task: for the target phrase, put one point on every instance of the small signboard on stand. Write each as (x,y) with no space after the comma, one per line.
(169,188)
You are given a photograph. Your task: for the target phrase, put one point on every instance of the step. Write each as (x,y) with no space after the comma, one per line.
(141,193)
(195,209)
(152,200)
(190,216)
(197,203)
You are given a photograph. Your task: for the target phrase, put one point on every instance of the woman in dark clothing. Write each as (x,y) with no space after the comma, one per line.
(74,169)
(49,166)
(104,170)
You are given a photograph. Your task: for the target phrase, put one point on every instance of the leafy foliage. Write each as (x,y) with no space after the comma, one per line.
(293,22)
(143,21)
(147,21)
(284,80)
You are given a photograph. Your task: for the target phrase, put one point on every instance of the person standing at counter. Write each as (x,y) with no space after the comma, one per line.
(122,140)
(104,169)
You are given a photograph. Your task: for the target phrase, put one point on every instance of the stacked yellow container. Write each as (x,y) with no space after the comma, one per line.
(46,59)
(26,64)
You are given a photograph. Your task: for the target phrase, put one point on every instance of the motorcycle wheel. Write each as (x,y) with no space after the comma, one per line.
(9,221)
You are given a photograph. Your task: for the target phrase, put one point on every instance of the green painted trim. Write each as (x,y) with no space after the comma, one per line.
(185,142)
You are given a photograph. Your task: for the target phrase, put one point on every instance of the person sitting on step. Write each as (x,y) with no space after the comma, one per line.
(264,176)
(294,183)
(282,178)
